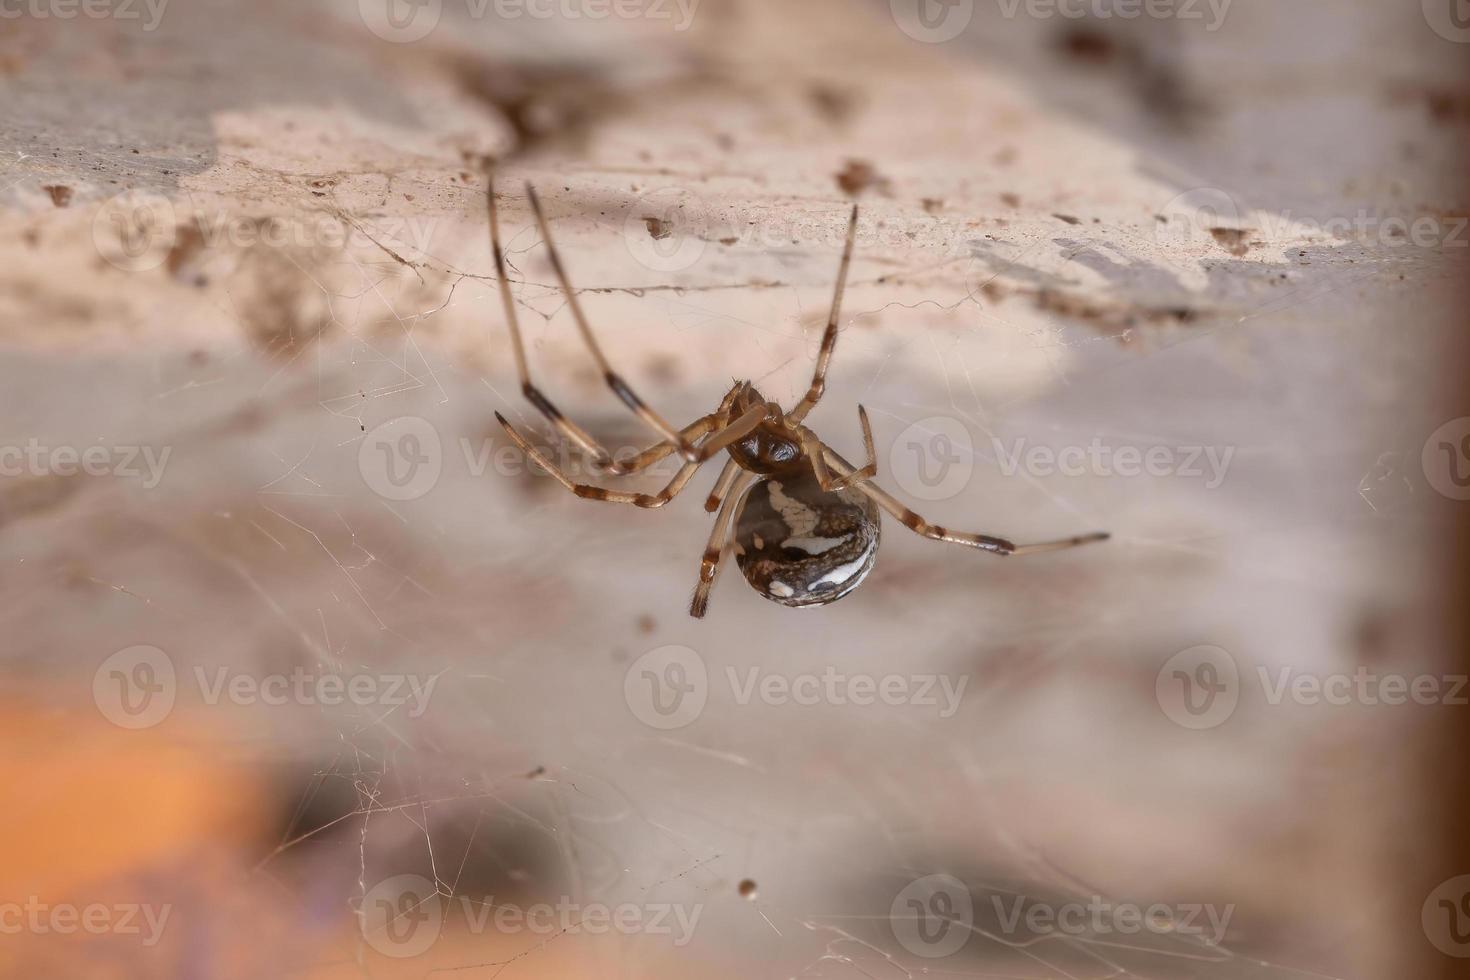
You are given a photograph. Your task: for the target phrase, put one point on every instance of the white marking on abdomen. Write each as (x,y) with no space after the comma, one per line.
(800,518)
(842,573)
(814,546)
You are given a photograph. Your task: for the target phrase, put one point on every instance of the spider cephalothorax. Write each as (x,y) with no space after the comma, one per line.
(773,446)
(805,521)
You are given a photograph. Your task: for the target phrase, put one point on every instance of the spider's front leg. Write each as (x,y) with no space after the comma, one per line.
(590,492)
(715,443)
(612,378)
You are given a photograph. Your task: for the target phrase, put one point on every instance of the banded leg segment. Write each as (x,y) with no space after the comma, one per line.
(917,524)
(735,430)
(645,500)
(829,336)
(569,429)
(653,454)
(722,485)
(813,445)
(692,432)
(709,563)
(614,380)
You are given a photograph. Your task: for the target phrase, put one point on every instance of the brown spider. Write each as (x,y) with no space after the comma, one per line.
(803,536)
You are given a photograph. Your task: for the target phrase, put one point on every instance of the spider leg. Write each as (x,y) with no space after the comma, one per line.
(722,485)
(613,379)
(691,432)
(736,430)
(915,523)
(813,446)
(569,429)
(829,338)
(644,500)
(709,563)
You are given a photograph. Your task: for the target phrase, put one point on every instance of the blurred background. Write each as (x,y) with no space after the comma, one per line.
(308,673)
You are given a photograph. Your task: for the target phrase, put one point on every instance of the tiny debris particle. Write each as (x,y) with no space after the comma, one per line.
(60,194)
(858,176)
(748,890)
(647,624)
(832,103)
(538,771)
(1233,240)
(658,228)
(1069,219)
(1010,200)
(932,205)
(1087,46)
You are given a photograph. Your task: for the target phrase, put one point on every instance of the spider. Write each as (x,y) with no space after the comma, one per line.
(805,520)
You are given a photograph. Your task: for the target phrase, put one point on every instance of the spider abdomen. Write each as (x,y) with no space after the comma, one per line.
(800,545)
